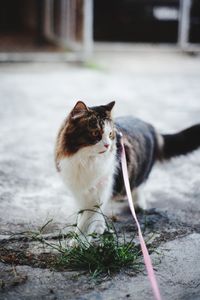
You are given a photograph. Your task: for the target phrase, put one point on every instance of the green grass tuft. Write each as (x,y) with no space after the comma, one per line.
(106,255)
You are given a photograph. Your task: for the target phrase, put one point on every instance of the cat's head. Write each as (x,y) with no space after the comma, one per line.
(90,128)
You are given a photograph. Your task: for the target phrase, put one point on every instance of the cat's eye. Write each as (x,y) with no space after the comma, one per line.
(95,133)
(112,135)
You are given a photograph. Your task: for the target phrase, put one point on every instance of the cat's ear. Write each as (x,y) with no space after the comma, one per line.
(79,110)
(109,106)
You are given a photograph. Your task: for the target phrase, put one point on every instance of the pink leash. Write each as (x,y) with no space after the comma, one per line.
(145,252)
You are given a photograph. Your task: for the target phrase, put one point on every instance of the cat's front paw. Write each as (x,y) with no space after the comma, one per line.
(82,241)
(100,228)
(73,243)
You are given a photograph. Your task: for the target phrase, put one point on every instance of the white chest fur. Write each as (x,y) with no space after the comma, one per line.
(83,172)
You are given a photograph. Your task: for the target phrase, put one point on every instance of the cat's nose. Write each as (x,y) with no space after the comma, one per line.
(106,145)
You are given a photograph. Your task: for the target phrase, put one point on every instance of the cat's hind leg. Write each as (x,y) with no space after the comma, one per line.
(142,198)
(135,197)
(139,198)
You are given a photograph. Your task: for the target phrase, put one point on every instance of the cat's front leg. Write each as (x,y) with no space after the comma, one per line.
(84,228)
(90,221)
(92,204)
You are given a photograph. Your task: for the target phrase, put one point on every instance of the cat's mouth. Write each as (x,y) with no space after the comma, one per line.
(102,152)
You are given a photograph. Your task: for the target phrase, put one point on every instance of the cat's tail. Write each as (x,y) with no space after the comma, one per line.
(180,143)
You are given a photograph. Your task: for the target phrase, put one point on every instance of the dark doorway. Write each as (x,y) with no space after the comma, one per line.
(150,21)
(194,33)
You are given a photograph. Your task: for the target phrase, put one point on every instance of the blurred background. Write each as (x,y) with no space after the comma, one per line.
(75,25)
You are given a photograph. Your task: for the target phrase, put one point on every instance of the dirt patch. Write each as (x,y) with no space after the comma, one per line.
(158,228)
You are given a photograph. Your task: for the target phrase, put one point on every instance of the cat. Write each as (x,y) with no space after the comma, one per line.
(88,157)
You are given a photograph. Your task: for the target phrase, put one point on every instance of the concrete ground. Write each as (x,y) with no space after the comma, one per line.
(159,86)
